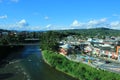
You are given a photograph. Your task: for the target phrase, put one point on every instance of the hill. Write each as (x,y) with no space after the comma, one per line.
(93,32)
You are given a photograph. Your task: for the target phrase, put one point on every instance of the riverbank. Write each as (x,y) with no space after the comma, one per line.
(46,61)
(78,70)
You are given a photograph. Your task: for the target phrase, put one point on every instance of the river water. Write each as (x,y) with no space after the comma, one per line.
(28,64)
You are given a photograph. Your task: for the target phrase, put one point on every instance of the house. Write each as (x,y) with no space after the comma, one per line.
(96,51)
(118,51)
(64,49)
(86,46)
(95,40)
(87,49)
(105,45)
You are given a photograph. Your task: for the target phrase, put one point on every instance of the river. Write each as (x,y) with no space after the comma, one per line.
(28,64)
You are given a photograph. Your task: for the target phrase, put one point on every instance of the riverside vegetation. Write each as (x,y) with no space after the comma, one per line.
(49,45)
(78,70)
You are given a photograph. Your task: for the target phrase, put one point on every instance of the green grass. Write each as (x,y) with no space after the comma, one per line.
(77,70)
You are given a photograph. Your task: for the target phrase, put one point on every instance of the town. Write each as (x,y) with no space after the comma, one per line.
(100,53)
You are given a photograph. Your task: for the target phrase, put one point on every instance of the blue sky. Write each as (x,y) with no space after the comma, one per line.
(59,14)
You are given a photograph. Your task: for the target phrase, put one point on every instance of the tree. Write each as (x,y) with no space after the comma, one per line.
(49,40)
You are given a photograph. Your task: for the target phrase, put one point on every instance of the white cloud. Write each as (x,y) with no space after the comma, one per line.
(15,1)
(96,23)
(20,25)
(66,28)
(115,25)
(3,17)
(90,24)
(23,22)
(93,22)
(103,20)
(76,24)
(56,27)
(49,25)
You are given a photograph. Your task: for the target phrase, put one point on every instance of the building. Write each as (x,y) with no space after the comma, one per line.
(64,49)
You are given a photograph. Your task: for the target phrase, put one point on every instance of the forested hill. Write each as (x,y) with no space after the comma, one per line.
(2,30)
(98,32)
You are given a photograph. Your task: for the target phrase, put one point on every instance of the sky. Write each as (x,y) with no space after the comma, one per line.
(35,15)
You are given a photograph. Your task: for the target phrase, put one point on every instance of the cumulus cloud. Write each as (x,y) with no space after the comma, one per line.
(56,27)
(115,25)
(20,25)
(75,23)
(49,25)
(23,22)
(3,17)
(90,24)
(96,23)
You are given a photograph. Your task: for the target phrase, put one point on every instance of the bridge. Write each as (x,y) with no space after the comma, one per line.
(31,39)
(27,41)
